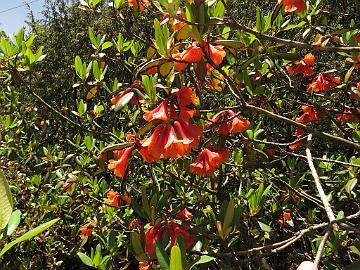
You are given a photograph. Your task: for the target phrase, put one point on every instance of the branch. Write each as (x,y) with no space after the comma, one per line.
(319,188)
(287,42)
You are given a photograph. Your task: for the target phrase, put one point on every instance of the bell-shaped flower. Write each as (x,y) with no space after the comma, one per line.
(209,160)
(113,198)
(349,116)
(293,5)
(159,113)
(303,66)
(119,166)
(309,115)
(153,234)
(229,123)
(322,82)
(176,230)
(184,215)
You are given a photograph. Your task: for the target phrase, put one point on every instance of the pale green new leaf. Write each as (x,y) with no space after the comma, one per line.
(6,201)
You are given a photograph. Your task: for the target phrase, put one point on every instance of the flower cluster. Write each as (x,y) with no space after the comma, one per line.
(227,122)
(209,160)
(323,82)
(303,66)
(293,5)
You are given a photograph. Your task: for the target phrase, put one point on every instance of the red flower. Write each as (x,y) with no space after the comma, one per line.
(139,4)
(299,132)
(284,217)
(185,96)
(192,54)
(135,224)
(113,198)
(216,54)
(175,230)
(126,198)
(171,141)
(144,265)
(294,146)
(152,70)
(159,113)
(208,161)
(153,234)
(303,67)
(235,125)
(309,115)
(86,231)
(322,82)
(119,166)
(349,116)
(293,5)
(184,215)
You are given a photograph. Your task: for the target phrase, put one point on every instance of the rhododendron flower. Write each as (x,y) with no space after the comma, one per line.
(172,141)
(323,82)
(139,4)
(153,234)
(295,145)
(119,166)
(216,53)
(185,96)
(152,70)
(184,215)
(209,160)
(126,198)
(293,5)
(192,54)
(284,217)
(175,230)
(144,265)
(159,113)
(303,66)
(113,198)
(356,93)
(86,231)
(349,116)
(309,115)
(234,125)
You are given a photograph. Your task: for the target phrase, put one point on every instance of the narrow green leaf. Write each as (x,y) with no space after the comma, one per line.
(85,259)
(30,234)
(162,257)
(203,259)
(123,101)
(6,201)
(14,222)
(176,262)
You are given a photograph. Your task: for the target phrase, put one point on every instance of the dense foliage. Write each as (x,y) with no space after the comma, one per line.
(203,134)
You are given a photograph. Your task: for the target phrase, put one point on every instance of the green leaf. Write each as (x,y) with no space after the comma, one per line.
(264,227)
(106,45)
(85,259)
(203,259)
(176,262)
(96,70)
(30,234)
(160,39)
(93,40)
(229,215)
(14,222)
(79,68)
(123,101)
(6,201)
(162,257)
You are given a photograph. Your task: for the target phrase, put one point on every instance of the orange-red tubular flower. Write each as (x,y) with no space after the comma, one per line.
(153,234)
(119,166)
(348,116)
(185,96)
(175,230)
(303,67)
(184,215)
(209,160)
(144,265)
(159,113)
(234,125)
(293,5)
(216,54)
(139,4)
(322,82)
(86,230)
(309,115)
(192,54)
(113,198)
